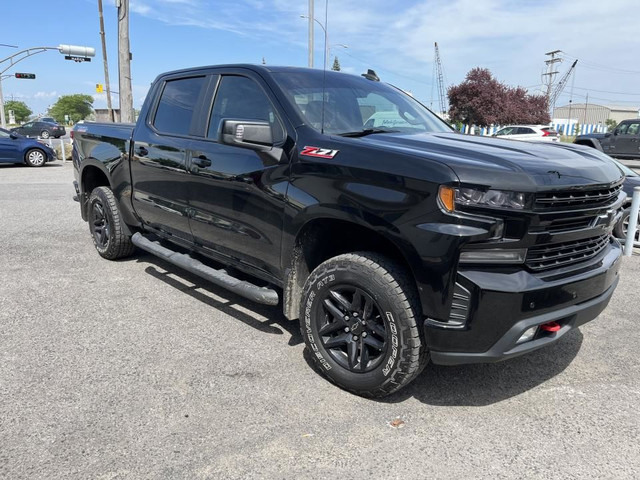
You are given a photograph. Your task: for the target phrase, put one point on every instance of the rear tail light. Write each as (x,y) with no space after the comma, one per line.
(71,134)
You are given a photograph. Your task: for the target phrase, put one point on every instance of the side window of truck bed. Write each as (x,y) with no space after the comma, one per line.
(241,98)
(177,104)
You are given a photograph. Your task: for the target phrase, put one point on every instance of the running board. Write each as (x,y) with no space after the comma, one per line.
(221,278)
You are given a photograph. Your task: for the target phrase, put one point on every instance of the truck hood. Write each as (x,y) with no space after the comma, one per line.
(506,164)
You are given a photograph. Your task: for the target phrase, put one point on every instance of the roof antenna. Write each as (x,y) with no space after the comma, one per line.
(324,67)
(371,75)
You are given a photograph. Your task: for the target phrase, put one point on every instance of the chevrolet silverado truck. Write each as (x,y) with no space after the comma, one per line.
(623,142)
(392,245)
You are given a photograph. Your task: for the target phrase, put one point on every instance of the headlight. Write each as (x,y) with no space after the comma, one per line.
(450,197)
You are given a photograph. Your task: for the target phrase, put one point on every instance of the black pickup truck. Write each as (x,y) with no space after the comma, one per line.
(393,239)
(623,142)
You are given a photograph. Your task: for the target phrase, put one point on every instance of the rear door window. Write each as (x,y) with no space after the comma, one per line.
(525,131)
(178,101)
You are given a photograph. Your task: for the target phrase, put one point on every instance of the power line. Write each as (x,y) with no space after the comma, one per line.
(606,91)
(598,66)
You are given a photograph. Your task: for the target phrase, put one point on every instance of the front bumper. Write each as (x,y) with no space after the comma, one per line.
(506,304)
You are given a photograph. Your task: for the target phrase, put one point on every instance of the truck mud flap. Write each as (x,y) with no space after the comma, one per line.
(221,278)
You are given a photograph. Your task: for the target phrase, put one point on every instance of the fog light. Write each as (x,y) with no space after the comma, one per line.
(528,335)
(493,256)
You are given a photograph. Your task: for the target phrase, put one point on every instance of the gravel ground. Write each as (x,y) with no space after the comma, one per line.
(135,369)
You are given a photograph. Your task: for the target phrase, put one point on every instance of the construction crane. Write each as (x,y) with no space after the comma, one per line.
(560,86)
(439,75)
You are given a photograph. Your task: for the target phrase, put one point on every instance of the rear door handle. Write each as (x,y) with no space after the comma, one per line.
(201,161)
(142,152)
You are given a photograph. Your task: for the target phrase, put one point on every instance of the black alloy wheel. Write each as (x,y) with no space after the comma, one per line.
(352,329)
(100,227)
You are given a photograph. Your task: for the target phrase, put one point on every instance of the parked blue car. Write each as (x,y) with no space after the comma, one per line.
(14,148)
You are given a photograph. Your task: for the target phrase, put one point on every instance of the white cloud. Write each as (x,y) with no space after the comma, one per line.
(396,38)
(45,94)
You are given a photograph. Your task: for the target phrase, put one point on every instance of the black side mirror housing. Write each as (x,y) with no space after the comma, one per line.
(615,132)
(13,135)
(252,134)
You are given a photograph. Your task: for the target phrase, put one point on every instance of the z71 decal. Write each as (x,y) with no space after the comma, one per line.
(319,152)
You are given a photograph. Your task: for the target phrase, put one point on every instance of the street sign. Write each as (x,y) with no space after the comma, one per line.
(30,76)
(77,59)
(99,88)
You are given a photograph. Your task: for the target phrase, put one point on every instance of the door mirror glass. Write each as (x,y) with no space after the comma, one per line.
(246,133)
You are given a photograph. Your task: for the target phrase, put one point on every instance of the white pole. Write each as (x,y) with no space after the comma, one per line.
(633,223)
(311,19)
(64,154)
(2,119)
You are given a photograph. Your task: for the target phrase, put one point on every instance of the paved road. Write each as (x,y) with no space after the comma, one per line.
(134,369)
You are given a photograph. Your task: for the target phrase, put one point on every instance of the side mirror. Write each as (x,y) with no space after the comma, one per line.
(494,135)
(13,136)
(607,135)
(615,132)
(247,134)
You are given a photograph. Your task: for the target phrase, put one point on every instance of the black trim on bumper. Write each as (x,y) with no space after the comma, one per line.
(569,317)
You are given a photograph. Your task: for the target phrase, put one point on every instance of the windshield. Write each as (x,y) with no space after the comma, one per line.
(355,104)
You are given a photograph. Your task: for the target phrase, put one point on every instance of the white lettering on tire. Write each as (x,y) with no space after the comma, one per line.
(394,344)
(307,324)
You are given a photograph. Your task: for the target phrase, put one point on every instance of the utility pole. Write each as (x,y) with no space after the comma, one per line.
(106,64)
(311,20)
(124,62)
(551,73)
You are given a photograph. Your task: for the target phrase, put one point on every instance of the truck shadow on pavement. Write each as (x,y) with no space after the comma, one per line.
(462,385)
(222,299)
(489,383)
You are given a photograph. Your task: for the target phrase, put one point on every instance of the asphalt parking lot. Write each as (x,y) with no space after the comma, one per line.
(135,369)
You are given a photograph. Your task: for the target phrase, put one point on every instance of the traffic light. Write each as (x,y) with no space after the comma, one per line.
(30,76)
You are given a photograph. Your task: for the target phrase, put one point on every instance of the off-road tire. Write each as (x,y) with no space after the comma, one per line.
(396,299)
(620,229)
(106,227)
(35,157)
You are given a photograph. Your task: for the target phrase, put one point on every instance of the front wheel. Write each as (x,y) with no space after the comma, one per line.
(106,226)
(35,157)
(621,228)
(360,318)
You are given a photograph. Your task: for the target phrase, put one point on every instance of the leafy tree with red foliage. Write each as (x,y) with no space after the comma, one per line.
(482,100)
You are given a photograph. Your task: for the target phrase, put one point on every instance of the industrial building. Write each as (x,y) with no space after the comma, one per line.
(593,114)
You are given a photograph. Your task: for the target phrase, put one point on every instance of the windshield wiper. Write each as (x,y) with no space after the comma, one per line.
(366,131)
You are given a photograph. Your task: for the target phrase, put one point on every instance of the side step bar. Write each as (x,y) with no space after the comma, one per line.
(221,278)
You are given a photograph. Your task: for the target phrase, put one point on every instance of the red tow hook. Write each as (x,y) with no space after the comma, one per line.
(550,327)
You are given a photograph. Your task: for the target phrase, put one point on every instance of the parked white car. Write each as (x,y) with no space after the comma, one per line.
(531,133)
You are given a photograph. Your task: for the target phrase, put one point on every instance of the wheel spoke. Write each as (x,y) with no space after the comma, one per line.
(333,310)
(332,327)
(374,342)
(352,354)
(340,299)
(368,307)
(364,354)
(377,329)
(338,341)
(357,300)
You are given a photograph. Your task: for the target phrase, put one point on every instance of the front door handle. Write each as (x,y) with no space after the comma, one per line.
(201,161)
(142,152)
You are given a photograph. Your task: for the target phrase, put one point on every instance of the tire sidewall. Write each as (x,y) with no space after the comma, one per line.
(618,230)
(42,134)
(395,317)
(98,196)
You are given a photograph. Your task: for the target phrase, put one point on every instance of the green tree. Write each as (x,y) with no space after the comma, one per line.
(77,106)
(336,64)
(20,110)
(611,124)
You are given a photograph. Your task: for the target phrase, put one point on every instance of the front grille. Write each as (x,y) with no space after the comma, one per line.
(566,253)
(564,225)
(577,198)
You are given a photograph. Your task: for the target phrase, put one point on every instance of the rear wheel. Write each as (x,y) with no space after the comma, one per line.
(35,157)
(45,134)
(105,224)
(360,318)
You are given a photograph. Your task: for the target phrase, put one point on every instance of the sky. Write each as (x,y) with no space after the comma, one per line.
(395,38)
